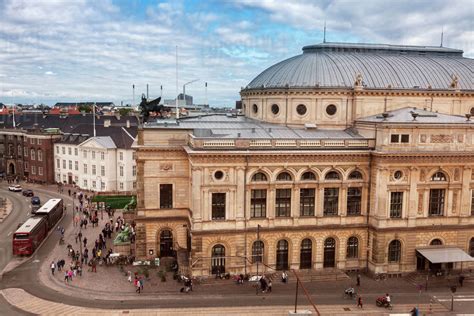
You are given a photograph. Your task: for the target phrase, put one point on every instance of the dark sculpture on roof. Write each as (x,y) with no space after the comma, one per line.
(151,106)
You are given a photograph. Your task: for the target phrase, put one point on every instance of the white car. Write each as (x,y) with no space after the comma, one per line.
(15,188)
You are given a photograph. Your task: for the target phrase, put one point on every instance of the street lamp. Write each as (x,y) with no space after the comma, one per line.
(184,95)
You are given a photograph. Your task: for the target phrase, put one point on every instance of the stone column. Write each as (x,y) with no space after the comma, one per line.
(411,207)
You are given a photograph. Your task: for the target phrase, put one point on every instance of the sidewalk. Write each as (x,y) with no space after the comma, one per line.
(32,304)
(5,210)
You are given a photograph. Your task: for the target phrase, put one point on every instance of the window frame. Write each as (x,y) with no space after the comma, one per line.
(354,200)
(331,202)
(352,249)
(283,202)
(307,202)
(436,202)
(258,203)
(166,195)
(394,253)
(396,204)
(258,249)
(218,205)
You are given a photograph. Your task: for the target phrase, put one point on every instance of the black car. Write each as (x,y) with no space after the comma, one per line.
(28,192)
(35,200)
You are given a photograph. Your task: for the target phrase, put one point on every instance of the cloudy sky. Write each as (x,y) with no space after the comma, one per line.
(80,50)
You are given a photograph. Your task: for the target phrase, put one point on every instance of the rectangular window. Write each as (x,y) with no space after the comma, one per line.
(436,206)
(134,171)
(102,171)
(283,202)
(76,179)
(38,141)
(307,198)
(26,166)
(40,155)
(354,201)
(64,150)
(25,151)
(121,171)
(121,155)
(57,149)
(85,183)
(94,184)
(93,154)
(102,156)
(58,163)
(75,152)
(102,185)
(33,169)
(93,170)
(85,168)
(69,151)
(166,196)
(32,141)
(396,204)
(32,154)
(84,154)
(405,138)
(121,185)
(40,171)
(395,138)
(64,164)
(218,206)
(70,164)
(134,155)
(331,201)
(258,203)
(76,165)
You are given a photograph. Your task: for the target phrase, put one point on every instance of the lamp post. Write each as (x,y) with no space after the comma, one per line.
(184,92)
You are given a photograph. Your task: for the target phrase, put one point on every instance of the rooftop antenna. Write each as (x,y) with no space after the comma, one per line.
(442,35)
(324,33)
(177,107)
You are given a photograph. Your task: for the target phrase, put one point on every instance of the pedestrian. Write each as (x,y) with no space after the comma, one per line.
(129,276)
(94,266)
(461,280)
(358,279)
(137,285)
(80,236)
(141,283)
(58,265)
(53,266)
(85,223)
(269,286)
(414,311)
(66,277)
(359,302)
(69,274)
(85,242)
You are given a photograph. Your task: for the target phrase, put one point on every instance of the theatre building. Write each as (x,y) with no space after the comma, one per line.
(347,156)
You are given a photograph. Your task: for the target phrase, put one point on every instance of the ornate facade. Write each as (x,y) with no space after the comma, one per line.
(323,172)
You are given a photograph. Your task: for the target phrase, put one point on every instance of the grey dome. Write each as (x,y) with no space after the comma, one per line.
(401,67)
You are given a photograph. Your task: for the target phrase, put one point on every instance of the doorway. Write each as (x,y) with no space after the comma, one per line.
(11,168)
(166,244)
(218,259)
(306,254)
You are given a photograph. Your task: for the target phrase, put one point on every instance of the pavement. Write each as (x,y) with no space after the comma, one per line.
(31,287)
(5,210)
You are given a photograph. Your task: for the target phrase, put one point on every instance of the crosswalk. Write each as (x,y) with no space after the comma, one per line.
(457,298)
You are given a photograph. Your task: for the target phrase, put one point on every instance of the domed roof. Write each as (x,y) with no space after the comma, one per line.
(337,65)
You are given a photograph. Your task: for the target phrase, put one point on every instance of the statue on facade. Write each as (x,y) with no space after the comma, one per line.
(130,205)
(147,107)
(123,236)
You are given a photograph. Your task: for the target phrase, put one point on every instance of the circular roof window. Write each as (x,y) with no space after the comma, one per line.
(255,108)
(275,109)
(331,109)
(301,109)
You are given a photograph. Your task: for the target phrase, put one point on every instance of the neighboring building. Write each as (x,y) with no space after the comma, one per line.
(38,132)
(99,163)
(349,156)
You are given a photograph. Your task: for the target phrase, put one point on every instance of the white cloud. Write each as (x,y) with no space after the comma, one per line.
(49,73)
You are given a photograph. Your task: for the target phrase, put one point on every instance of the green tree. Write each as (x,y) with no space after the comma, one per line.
(86,108)
(124,111)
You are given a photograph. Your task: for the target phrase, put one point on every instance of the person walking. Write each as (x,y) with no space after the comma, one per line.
(358,279)
(461,280)
(53,266)
(359,302)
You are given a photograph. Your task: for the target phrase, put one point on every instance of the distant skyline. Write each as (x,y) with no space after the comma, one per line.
(82,50)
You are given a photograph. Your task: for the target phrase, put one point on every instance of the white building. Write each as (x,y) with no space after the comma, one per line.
(98,164)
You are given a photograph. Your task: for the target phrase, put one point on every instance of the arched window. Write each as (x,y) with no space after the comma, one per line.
(355,175)
(332,175)
(471,247)
(284,176)
(394,251)
(218,259)
(436,242)
(352,247)
(306,252)
(282,255)
(329,253)
(438,176)
(257,251)
(259,177)
(308,176)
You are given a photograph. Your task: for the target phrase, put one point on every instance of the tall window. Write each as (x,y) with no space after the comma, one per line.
(58,163)
(436,206)
(307,197)
(40,171)
(32,154)
(33,169)
(354,201)
(396,204)
(102,171)
(38,141)
(76,165)
(394,251)
(218,205)
(352,247)
(25,151)
(332,175)
(472,203)
(471,247)
(93,154)
(75,151)
(94,171)
(57,149)
(166,196)
(134,170)
(121,155)
(40,155)
(64,163)
(70,164)
(69,151)
(121,171)
(283,202)
(102,155)
(19,151)
(85,168)
(257,251)
(331,201)
(258,203)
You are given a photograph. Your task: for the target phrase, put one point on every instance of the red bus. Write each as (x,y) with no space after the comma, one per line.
(29,235)
(52,210)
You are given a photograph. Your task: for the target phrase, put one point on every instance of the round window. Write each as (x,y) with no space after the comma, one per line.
(301,109)
(219,175)
(255,108)
(398,175)
(331,109)
(275,109)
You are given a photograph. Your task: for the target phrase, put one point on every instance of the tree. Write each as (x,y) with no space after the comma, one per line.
(124,111)
(84,107)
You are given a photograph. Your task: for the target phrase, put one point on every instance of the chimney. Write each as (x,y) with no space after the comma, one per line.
(107,123)
(117,116)
(128,123)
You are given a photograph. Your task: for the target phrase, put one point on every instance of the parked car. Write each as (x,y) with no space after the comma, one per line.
(35,200)
(28,192)
(15,188)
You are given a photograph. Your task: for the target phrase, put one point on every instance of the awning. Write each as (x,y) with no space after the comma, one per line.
(444,254)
